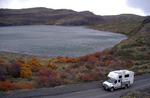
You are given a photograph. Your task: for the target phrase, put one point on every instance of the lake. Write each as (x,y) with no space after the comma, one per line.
(55,41)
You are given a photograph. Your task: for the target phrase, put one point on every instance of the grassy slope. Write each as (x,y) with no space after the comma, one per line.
(124,23)
(136,47)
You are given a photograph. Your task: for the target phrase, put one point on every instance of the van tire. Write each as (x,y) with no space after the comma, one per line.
(111,89)
(126,86)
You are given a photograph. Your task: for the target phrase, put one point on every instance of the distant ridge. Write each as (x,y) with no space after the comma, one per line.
(46,16)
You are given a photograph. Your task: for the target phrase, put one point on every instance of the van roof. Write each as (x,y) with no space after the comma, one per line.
(122,71)
(115,74)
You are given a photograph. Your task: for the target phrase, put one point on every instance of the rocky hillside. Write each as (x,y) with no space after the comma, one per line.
(35,16)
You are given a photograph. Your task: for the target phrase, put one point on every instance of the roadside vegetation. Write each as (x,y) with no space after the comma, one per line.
(32,72)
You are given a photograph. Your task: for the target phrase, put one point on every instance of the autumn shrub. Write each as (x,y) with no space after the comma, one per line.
(3,72)
(107,62)
(61,60)
(72,60)
(129,63)
(23,85)
(89,66)
(66,60)
(3,69)
(98,54)
(43,81)
(52,65)
(2,61)
(92,59)
(78,76)
(49,78)
(26,71)
(68,81)
(83,69)
(35,64)
(63,75)
(6,85)
(86,77)
(83,58)
(14,69)
(90,76)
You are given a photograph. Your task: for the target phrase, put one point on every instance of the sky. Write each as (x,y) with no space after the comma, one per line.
(99,7)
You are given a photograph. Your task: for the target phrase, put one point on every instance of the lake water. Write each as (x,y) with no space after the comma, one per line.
(56,40)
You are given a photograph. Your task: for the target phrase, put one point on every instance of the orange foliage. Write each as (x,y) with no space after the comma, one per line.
(52,65)
(35,64)
(97,54)
(6,85)
(66,60)
(25,71)
(90,58)
(2,61)
(22,85)
(72,60)
(20,61)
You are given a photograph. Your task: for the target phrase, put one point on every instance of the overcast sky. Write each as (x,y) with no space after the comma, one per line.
(100,7)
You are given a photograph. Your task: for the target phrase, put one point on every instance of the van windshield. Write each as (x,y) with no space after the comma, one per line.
(111,80)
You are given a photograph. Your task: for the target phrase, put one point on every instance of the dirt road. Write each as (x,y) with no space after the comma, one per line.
(87,90)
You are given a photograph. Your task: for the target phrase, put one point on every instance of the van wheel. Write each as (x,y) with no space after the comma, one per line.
(112,89)
(126,86)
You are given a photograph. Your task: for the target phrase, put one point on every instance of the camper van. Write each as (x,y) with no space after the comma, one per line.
(119,79)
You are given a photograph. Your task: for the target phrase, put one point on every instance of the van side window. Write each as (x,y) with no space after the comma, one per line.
(126,76)
(120,76)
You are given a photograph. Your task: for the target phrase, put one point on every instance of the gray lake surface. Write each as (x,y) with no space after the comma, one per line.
(55,41)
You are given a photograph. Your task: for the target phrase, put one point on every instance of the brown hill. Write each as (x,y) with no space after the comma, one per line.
(35,16)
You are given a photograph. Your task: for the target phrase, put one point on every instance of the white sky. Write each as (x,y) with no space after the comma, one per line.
(100,7)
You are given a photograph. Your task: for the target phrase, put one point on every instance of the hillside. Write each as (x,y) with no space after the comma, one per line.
(123,23)
(137,47)
(45,16)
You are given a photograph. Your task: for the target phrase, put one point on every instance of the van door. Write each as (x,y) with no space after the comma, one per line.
(117,83)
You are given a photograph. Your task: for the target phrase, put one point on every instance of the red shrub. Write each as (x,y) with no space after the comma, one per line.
(6,85)
(93,59)
(86,77)
(49,78)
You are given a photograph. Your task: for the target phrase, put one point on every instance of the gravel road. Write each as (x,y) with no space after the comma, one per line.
(87,90)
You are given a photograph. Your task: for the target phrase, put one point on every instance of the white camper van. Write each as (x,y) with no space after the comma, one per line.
(119,79)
